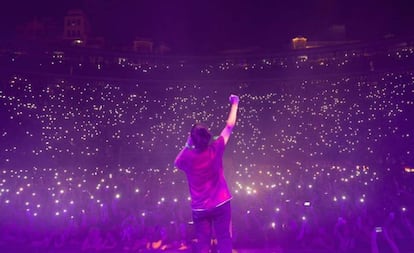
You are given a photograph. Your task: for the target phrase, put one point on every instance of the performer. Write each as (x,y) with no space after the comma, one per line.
(202,161)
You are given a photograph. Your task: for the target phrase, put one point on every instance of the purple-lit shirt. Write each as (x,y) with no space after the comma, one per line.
(205,175)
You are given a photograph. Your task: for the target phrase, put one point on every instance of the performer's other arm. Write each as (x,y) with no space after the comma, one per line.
(188,144)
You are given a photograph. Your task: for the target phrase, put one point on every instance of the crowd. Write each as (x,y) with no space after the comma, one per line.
(94,63)
(316,162)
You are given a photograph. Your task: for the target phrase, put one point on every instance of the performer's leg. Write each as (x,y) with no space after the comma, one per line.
(203,230)
(222,227)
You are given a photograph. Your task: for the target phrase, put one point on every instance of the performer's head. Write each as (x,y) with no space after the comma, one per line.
(200,136)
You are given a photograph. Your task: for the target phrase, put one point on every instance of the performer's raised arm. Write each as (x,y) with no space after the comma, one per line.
(231,121)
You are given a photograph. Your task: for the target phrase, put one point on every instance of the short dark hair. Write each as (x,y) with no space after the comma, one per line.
(200,136)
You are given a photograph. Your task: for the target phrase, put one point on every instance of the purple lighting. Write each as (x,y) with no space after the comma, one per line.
(324,153)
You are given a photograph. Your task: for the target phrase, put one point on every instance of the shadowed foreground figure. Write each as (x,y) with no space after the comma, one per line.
(202,161)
